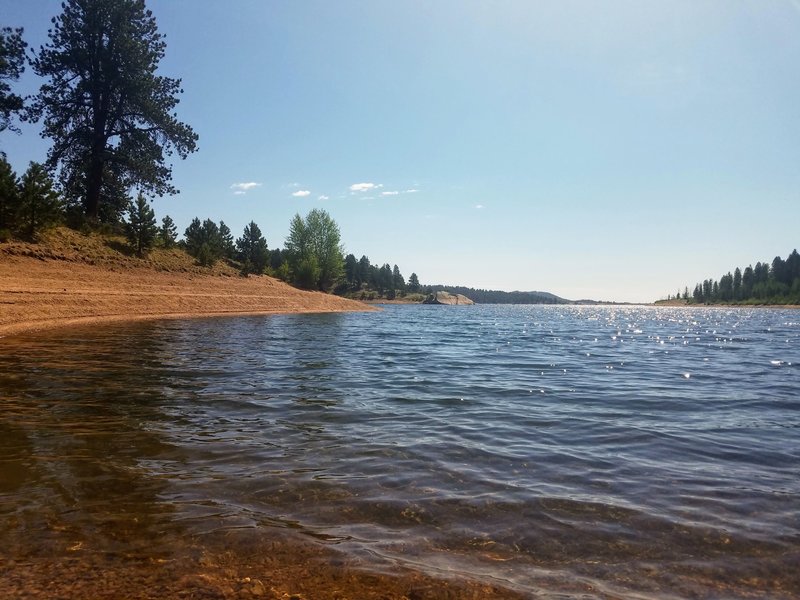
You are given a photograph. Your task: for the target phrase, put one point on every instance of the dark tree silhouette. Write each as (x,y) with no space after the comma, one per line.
(112,120)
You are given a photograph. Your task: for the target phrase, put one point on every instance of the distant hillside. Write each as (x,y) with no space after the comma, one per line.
(500,297)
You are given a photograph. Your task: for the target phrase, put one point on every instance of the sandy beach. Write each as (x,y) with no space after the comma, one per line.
(73,279)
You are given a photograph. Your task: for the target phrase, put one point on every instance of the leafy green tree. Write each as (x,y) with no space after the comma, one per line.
(111,118)
(12,65)
(307,273)
(252,249)
(737,284)
(141,229)
(168,233)
(413,283)
(314,249)
(39,204)
(9,197)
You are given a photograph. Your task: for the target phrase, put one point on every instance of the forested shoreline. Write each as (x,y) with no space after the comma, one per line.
(765,283)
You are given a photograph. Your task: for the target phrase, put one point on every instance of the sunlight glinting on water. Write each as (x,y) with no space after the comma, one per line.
(643,450)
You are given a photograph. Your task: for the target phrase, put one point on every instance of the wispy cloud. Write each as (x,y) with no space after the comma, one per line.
(389,193)
(301,193)
(365,187)
(243,188)
(411,191)
(324,197)
(479,206)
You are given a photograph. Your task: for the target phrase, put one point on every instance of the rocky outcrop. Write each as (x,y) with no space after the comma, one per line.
(447,298)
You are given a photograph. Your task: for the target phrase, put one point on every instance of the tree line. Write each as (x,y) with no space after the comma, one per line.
(481,296)
(765,283)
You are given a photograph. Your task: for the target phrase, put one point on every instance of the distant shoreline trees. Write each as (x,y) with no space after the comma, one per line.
(775,283)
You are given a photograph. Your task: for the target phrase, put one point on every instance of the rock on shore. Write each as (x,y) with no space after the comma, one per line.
(447,298)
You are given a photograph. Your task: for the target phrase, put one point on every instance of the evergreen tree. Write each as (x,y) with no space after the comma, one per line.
(398,281)
(737,284)
(141,229)
(39,205)
(111,118)
(9,198)
(252,249)
(168,232)
(12,65)
(193,237)
(364,269)
(226,241)
(413,283)
(276,259)
(203,241)
(351,272)
(748,281)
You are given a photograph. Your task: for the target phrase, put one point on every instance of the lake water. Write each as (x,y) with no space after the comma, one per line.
(625,452)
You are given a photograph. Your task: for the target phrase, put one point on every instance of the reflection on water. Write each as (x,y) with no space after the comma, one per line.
(594,451)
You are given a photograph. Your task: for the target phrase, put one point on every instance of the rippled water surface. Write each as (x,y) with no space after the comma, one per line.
(643,452)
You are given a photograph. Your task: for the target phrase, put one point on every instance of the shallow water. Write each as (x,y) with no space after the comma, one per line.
(639,451)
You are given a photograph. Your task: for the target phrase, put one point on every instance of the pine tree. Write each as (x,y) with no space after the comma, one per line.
(9,198)
(168,233)
(112,120)
(12,65)
(227,247)
(203,241)
(141,228)
(413,283)
(39,205)
(252,249)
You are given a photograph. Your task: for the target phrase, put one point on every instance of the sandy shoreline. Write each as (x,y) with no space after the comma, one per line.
(40,294)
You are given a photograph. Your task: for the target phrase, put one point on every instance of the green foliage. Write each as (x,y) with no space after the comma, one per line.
(252,248)
(12,65)
(39,205)
(775,283)
(111,118)
(283,272)
(204,242)
(168,233)
(314,251)
(307,273)
(226,241)
(413,284)
(9,195)
(141,229)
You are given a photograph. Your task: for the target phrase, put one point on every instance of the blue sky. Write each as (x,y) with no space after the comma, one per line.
(611,150)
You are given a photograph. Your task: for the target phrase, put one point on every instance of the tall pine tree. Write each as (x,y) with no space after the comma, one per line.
(111,119)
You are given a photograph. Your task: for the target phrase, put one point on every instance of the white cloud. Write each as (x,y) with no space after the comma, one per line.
(479,206)
(301,193)
(411,191)
(389,193)
(243,188)
(324,197)
(238,193)
(363,187)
